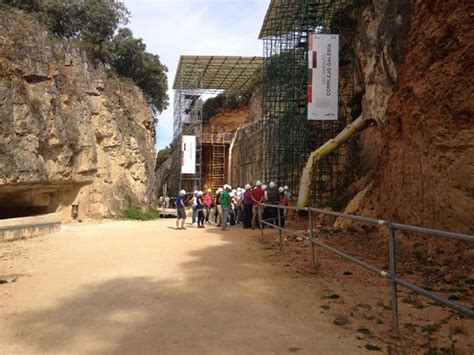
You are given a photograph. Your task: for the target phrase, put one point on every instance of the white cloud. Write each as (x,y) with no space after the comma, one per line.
(172,28)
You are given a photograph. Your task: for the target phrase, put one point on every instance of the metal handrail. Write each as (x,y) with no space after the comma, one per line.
(391,275)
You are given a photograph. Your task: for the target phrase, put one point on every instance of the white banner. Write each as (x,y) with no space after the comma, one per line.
(188,155)
(324,77)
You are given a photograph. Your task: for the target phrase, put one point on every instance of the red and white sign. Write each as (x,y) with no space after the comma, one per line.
(188,155)
(323,81)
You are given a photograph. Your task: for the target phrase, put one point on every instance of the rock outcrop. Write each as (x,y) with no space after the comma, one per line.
(426,171)
(415,64)
(71,132)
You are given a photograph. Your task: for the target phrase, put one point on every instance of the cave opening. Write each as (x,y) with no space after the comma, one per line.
(37,199)
(7,212)
(19,202)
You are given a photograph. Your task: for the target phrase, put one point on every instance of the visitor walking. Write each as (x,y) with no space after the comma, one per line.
(257,199)
(225,205)
(181,212)
(232,209)
(284,201)
(193,202)
(247,203)
(272,197)
(288,193)
(199,209)
(238,205)
(207,205)
(218,216)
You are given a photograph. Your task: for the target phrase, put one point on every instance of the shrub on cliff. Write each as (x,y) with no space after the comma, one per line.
(213,105)
(96,22)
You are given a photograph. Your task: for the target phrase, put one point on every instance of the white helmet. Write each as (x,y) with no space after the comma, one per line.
(182,192)
(286,188)
(272,185)
(220,189)
(248,187)
(281,189)
(231,194)
(196,192)
(234,191)
(258,183)
(200,193)
(264,187)
(227,187)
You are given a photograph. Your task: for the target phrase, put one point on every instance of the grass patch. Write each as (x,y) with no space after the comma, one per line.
(138,215)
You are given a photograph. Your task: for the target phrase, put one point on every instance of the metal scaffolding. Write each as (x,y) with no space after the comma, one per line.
(196,76)
(288,136)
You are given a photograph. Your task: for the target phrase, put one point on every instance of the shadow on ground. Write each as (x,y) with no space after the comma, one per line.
(214,308)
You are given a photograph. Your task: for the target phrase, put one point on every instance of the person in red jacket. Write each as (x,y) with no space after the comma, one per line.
(257,199)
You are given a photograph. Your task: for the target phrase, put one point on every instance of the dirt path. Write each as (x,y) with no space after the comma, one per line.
(131,287)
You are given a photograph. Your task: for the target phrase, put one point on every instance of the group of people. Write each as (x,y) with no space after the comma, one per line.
(234,206)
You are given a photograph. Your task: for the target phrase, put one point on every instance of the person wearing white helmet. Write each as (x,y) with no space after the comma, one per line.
(199,209)
(232,209)
(288,193)
(193,203)
(247,206)
(181,212)
(272,197)
(283,202)
(207,205)
(257,199)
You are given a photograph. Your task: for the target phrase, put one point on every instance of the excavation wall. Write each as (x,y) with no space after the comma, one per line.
(71,132)
(426,169)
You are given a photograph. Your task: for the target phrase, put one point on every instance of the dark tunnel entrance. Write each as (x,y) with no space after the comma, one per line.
(35,200)
(21,211)
(25,202)
(30,200)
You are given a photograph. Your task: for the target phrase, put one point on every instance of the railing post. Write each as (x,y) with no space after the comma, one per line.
(279,227)
(311,236)
(393,285)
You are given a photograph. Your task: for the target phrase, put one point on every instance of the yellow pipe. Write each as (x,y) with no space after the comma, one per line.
(306,177)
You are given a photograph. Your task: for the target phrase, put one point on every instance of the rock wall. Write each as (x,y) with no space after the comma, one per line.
(70,130)
(246,163)
(426,171)
(380,33)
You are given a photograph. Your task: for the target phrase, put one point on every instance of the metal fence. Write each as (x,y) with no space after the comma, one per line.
(276,222)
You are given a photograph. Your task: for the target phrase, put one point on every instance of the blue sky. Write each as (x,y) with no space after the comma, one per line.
(171,28)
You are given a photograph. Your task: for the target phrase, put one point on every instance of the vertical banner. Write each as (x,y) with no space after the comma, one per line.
(188,155)
(323,81)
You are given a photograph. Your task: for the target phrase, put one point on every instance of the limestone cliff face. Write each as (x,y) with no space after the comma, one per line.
(70,130)
(381,30)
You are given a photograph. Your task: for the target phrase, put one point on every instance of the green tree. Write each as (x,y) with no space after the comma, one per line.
(131,60)
(97,21)
(61,17)
(163,156)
